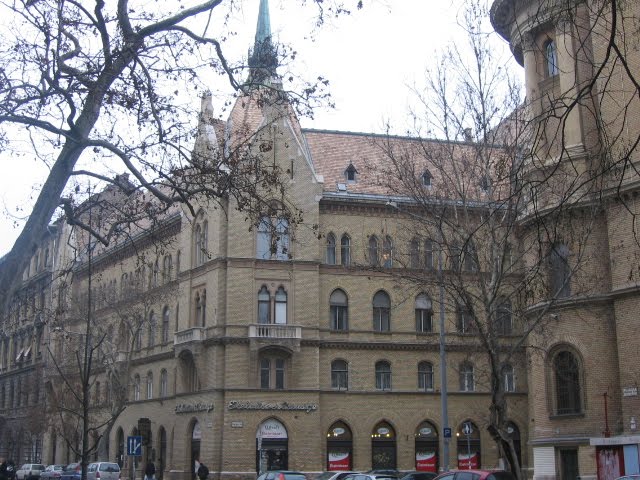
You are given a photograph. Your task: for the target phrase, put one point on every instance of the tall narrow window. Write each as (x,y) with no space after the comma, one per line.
(339,375)
(383,376)
(339,310)
(560,271)
(264,309)
(281,306)
(282,240)
(272,366)
(165,324)
(373,250)
(424,314)
(345,250)
(551,58)
(467,383)
(164,384)
(265,373)
(454,258)
(567,383)
(151,335)
(263,240)
(428,254)
(465,319)
(508,378)
(279,374)
(272,242)
(381,312)
(425,377)
(414,253)
(387,252)
(470,261)
(426,179)
(149,385)
(136,388)
(331,249)
(504,318)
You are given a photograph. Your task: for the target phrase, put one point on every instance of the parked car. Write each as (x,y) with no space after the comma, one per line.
(370,476)
(476,475)
(73,471)
(419,476)
(52,471)
(29,471)
(629,477)
(103,471)
(335,475)
(282,475)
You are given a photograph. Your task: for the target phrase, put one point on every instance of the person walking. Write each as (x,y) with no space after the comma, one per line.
(150,471)
(203,471)
(3,470)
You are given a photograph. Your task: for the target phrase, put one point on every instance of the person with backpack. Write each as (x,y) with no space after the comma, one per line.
(203,471)
(150,471)
(11,470)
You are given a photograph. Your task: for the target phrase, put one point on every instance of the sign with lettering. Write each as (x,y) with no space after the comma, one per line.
(272,429)
(237,424)
(193,407)
(630,392)
(305,407)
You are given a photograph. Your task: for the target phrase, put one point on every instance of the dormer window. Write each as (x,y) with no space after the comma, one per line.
(350,173)
(551,58)
(426,179)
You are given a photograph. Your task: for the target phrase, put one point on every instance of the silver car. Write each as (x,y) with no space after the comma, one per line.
(103,471)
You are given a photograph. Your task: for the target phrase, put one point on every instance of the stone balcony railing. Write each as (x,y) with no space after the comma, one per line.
(275,331)
(193,334)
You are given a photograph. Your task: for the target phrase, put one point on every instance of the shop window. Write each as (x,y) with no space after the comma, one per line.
(424,314)
(383,447)
(339,375)
(467,381)
(551,58)
(427,448)
(272,241)
(425,377)
(468,446)
(339,448)
(373,251)
(508,378)
(381,312)
(566,370)
(345,250)
(383,375)
(339,308)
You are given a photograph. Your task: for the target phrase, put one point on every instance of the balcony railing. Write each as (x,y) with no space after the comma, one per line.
(194,334)
(274,330)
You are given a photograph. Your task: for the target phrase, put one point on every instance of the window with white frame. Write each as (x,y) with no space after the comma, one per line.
(383,375)
(149,385)
(381,312)
(424,314)
(425,376)
(508,378)
(164,383)
(136,388)
(272,372)
(345,250)
(281,306)
(272,241)
(339,310)
(331,249)
(339,375)
(467,382)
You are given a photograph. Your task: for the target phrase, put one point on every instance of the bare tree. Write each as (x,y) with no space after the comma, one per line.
(84,84)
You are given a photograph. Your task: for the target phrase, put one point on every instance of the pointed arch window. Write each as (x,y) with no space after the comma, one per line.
(508,378)
(272,242)
(339,375)
(567,383)
(164,383)
(165,324)
(551,58)
(281,306)
(383,375)
(167,268)
(426,179)
(425,377)
(264,305)
(149,385)
(345,250)
(201,308)
(381,312)
(373,251)
(387,252)
(339,309)
(331,249)
(351,174)
(414,253)
(136,388)
(424,314)
(151,337)
(428,254)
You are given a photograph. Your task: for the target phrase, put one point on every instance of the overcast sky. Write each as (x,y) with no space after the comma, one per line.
(370,58)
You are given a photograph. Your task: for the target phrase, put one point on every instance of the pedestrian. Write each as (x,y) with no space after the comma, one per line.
(11,470)
(196,466)
(3,470)
(203,472)
(150,471)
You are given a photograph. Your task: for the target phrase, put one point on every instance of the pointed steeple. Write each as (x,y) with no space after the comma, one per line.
(263,59)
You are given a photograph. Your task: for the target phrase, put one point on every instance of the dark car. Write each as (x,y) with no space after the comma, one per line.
(476,475)
(73,471)
(370,476)
(419,476)
(282,475)
(52,472)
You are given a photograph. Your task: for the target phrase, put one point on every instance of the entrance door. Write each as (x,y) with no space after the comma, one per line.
(609,463)
(272,446)
(569,464)
(383,447)
(196,436)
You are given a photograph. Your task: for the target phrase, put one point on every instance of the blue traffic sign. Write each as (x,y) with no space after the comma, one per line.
(447,432)
(134,446)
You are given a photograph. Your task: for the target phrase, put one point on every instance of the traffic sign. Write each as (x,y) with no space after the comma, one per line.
(447,432)
(467,429)
(134,446)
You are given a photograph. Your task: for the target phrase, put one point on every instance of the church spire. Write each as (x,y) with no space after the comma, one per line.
(263,60)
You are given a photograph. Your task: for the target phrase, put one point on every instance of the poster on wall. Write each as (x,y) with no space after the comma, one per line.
(339,461)
(272,429)
(426,461)
(468,461)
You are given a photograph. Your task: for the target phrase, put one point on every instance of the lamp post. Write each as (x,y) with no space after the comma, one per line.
(443,366)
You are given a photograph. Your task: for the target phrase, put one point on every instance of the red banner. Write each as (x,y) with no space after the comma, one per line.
(339,461)
(467,462)
(426,461)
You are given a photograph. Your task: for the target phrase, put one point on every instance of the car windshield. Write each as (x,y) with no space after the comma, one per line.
(325,475)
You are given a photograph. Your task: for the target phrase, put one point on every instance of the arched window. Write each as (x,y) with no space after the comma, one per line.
(264,305)
(149,385)
(155,273)
(424,314)
(504,323)
(167,268)
(381,312)
(425,376)
(339,447)
(373,250)
(151,336)
(164,383)
(138,338)
(345,250)
(136,388)
(281,305)
(465,322)
(383,375)
(551,58)
(338,307)
(331,249)
(414,253)
(468,446)
(467,382)
(350,173)
(426,178)
(339,375)
(387,252)
(508,378)
(567,383)
(560,271)
(165,324)
(428,254)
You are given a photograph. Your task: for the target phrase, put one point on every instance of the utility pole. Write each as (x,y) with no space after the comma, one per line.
(443,366)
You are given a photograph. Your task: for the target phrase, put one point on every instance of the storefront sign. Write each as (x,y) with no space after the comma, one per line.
(339,461)
(468,461)
(272,429)
(426,461)
(193,407)
(305,407)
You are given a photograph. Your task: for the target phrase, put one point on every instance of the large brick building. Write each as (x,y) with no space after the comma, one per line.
(297,344)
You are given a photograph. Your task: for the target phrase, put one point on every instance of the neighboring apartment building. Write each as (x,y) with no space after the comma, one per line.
(584,107)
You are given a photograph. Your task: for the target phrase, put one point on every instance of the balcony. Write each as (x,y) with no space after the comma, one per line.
(193,334)
(275,331)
